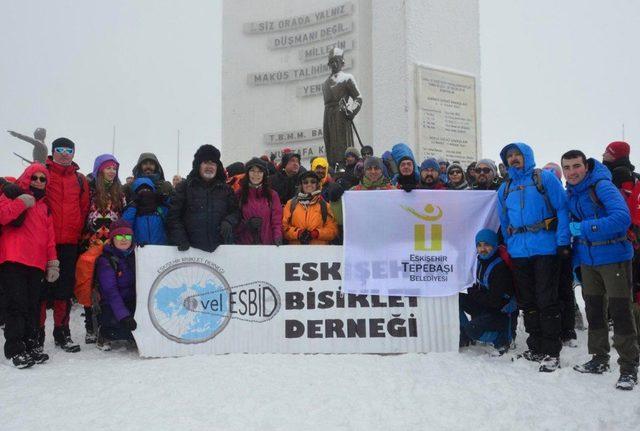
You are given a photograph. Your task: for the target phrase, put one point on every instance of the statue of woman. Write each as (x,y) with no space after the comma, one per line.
(342,102)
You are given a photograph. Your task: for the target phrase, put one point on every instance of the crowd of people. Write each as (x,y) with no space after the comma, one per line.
(69,237)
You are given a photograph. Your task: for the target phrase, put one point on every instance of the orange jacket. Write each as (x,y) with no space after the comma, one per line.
(309,218)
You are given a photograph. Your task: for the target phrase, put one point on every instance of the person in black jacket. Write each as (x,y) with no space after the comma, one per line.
(204,209)
(285,181)
(490,301)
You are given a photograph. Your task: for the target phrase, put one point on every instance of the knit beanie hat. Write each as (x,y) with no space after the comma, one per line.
(107,164)
(367,149)
(621,175)
(120,227)
(308,174)
(490,163)
(62,142)
(430,163)
(352,151)
(255,162)
(373,161)
(286,157)
(488,236)
(618,149)
(236,168)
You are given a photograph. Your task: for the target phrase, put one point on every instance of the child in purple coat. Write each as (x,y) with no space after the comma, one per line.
(115,271)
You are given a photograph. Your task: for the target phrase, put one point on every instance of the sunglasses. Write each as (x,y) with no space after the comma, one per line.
(455,173)
(482,170)
(309,182)
(125,237)
(42,178)
(64,150)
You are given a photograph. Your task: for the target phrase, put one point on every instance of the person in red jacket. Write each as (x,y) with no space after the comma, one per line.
(68,199)
(27,253)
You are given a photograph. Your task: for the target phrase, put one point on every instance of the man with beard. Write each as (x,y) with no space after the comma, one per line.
(407,177)
(148,166)
(486,178)
(534,220)
(285,181)
(430,175)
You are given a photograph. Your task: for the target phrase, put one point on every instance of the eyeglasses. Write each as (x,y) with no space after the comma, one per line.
(42,178)
(482,170)
(125,237)
(455,173)
(309,182)
(63,150)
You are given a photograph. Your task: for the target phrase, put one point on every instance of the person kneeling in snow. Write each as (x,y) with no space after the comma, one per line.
(115,271)
(490,301)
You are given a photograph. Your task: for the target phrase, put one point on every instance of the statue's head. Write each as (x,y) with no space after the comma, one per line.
(336,60)
(40,134)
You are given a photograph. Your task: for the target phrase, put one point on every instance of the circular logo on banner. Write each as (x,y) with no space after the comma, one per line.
(190,303)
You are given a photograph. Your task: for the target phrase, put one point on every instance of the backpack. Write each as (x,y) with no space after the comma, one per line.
(85,273)
(323,209)
(550,223)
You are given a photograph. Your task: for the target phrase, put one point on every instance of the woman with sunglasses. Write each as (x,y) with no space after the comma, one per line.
(307,218)
(115,272)
(27,255)
(457,181)
(260,207)
(106,204)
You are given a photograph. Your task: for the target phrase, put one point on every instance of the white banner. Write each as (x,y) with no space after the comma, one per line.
(267,299)
(420,243)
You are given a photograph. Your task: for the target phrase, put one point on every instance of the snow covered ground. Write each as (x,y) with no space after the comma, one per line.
(94,390)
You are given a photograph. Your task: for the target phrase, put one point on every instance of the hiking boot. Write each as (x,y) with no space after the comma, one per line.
(532,356)
(572,342)
(38,355)
(63,340)
(594,366)
(22,360)
(549,364)
(103,344)
(90,337)
(627,381)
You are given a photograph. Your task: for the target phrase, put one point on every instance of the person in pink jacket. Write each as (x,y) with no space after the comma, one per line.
(260,207)
(27,255)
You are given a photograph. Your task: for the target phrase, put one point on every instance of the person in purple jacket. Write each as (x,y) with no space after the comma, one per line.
(260,207)
(115,272)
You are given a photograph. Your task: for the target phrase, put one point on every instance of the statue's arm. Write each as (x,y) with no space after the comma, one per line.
(28,139)
(354,93)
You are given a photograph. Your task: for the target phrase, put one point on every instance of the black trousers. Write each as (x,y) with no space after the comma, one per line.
(22,286)
(567,300)
(62,288)
(537,280)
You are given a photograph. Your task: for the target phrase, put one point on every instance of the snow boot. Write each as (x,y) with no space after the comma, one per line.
(594,366)
(22,360)
(103,344)
(38,355)
(90,337)
(549,364)
(627,381)
(62,337)
(569,338)
(532,356)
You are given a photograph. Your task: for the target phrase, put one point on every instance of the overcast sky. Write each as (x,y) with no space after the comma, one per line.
(558,75)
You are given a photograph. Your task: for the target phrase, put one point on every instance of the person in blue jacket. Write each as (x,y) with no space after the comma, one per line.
(600,219)
(408,176)
(534,221)
(147,213)
(490,301)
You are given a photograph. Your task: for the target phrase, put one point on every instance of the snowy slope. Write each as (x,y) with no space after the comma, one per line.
(94,390)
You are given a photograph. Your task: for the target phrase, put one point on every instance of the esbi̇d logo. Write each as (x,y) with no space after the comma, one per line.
(191,301)
(427,236)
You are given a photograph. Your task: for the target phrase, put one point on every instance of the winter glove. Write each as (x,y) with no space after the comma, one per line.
(226,230)
(53,271)
(575,229)
(183,246)
(278,242)
(407,187)
(140,244)
(129,323)
(12,191)
(304,237)
(28,200)
(315,234)
(254,224)
(563,252)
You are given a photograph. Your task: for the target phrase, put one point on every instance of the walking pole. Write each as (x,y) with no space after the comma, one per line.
(23,159)
(343,107)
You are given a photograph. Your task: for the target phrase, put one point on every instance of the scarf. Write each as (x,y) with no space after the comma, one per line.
(379,184)
(308,198)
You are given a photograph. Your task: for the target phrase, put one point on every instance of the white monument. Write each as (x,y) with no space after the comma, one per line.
(416,63)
